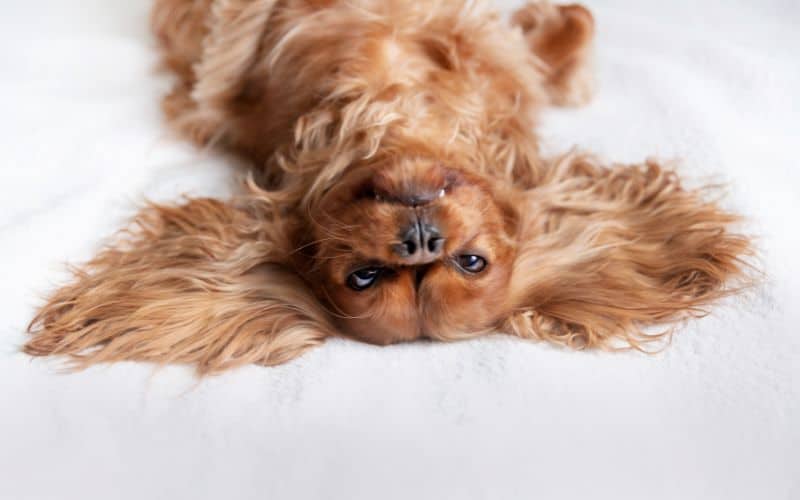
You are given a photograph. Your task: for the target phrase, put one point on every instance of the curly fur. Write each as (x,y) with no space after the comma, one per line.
(346,108)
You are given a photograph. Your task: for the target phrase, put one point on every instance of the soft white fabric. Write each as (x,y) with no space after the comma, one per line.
(713,83)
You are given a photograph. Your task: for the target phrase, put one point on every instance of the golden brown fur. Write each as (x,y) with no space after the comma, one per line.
(390,139)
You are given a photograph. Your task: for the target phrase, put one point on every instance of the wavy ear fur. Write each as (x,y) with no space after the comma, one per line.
(608,251)
(205,283)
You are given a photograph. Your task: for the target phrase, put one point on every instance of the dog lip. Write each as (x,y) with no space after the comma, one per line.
(414,200)
(420,199)
(409,196)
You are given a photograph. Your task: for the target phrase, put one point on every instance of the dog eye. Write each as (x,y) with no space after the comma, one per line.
(471,263)
(363,278)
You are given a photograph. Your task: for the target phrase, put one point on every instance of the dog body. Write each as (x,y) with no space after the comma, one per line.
(398,193)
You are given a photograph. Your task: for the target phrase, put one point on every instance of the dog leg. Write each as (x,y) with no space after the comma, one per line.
(210,45)
(180,27)
(560,36)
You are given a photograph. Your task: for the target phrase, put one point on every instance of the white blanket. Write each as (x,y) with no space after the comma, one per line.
(715,416)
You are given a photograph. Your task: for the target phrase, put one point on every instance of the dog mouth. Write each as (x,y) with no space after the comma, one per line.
(417,197)
(411,182)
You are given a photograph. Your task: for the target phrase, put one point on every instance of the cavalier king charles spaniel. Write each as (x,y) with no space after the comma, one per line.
(397,192)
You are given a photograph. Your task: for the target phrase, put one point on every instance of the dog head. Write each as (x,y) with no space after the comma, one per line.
(413,248)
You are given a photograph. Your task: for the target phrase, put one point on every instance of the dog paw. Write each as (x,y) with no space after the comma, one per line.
(560,36)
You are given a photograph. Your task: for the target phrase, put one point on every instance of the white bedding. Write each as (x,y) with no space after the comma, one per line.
(717,415)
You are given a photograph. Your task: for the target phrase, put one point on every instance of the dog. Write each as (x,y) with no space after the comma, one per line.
(397,192)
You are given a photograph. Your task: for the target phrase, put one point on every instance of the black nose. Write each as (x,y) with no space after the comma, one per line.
(421,242)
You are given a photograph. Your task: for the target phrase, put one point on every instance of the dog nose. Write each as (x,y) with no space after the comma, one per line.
(421,242)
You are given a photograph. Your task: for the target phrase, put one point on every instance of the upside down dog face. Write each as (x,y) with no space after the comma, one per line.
(413,249)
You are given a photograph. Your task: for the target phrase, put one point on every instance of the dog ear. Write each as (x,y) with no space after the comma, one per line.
(606,252)
(205,283)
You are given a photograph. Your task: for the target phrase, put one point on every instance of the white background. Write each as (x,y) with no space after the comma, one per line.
(716,416)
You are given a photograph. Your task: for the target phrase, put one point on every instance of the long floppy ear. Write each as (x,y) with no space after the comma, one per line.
(204,283)
(606,252)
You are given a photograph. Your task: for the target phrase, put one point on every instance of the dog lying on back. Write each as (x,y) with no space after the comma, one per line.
(397,193)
